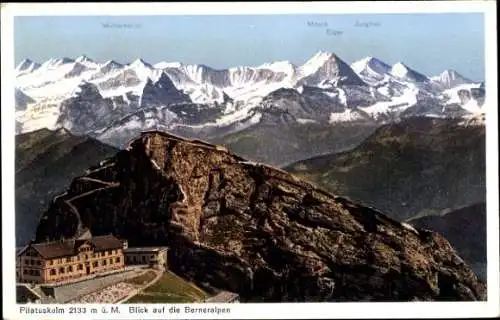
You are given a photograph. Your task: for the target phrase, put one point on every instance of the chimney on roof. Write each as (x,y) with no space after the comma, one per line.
(84,234)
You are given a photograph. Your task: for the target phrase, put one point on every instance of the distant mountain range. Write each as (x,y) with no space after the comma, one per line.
(46,162)
(113,102)
(417,167)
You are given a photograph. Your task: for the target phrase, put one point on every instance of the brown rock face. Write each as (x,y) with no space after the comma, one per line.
(256,230)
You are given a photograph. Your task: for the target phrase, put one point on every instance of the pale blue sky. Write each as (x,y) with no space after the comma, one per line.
(429,43)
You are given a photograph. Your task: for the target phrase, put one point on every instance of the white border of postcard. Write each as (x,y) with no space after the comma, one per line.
(490,308)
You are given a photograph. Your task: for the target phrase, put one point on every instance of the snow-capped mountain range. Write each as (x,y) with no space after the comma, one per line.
(114,101)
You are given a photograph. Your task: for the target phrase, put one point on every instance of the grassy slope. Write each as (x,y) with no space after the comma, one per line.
(143,278)
(417,167)
(170,288)
(284,144)
(46,162)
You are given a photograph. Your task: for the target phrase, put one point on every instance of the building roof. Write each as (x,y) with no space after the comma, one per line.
(19,249)
(222,297)
(108,242)
(145,249)
(69,247)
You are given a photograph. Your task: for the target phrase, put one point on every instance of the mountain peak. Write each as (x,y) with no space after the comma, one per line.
(326,65)
(86,89)
(84,58)
(27,65)
(164,65)
(112,63)
(141,63)
(368,64)
(324,54)
(451,75)
(399,69)
(285,67)
(450,72)
(161,91)
(24,62)
(322,57)
(402,71)
(55,62)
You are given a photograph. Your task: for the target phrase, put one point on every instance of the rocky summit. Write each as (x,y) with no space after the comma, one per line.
(254,229)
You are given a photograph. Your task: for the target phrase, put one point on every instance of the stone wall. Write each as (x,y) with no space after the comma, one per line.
(72,291)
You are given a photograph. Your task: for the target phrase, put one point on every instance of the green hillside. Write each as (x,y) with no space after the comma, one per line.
(283,144)
(417,167)
(46,162)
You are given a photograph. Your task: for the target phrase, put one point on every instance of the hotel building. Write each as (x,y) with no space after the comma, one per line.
(152,256)
(64,260)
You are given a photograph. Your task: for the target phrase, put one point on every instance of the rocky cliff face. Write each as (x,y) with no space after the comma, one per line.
(256,230)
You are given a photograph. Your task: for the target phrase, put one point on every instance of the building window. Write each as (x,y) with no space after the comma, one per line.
(51,262)
(68,259)
(52,272)
(25,271)
(104,262)
(94,264)
(94,255)
(32,262)
(61,270)
(38,262)
(70,269)
(37,272)
(86,257)
(117,260)
(80,266)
